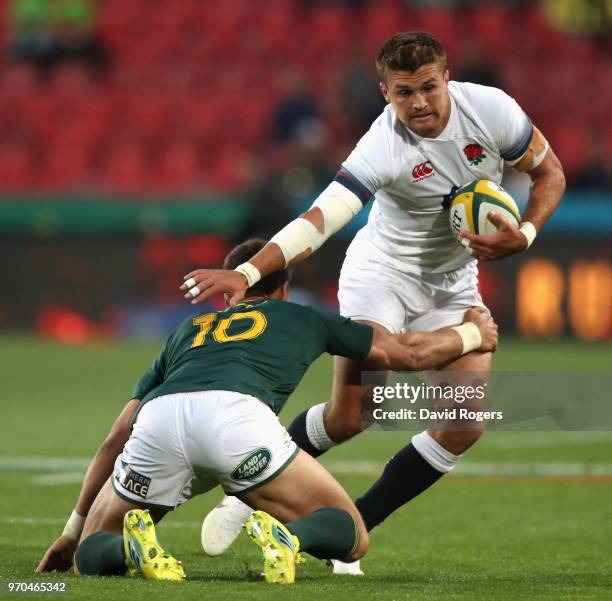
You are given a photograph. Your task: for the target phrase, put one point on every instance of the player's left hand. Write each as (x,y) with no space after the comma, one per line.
(506,241)
(204,283)
(59,556)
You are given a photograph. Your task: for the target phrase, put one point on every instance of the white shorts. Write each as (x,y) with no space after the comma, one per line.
(183,445)
(370,289)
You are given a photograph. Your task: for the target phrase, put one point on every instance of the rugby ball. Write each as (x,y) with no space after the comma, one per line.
(471,204)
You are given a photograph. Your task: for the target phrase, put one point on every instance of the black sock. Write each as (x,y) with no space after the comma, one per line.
(297,430)
(328,533)
(101,554)
(405,476)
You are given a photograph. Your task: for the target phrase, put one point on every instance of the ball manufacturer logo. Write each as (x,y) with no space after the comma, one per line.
(422,170)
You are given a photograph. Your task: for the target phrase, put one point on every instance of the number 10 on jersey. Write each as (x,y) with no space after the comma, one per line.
(255,323)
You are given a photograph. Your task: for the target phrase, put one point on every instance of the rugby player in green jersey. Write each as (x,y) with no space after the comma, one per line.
(207,415)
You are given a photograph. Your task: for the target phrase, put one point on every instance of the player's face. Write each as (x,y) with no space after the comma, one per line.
(420,98)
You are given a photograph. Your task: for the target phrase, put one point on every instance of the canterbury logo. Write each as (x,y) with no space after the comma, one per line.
(422,170)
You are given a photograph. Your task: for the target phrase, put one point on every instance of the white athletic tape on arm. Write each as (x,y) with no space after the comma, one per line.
(338,206)
(250,272)
(470,336)
(529,231)
(74,526)
(538,158)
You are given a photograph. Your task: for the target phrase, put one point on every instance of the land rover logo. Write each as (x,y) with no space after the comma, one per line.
(256,463)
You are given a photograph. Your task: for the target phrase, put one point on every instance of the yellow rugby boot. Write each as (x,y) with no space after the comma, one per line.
(279,547)
(142,551)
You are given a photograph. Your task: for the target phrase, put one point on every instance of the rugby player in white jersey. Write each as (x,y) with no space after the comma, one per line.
(404,270)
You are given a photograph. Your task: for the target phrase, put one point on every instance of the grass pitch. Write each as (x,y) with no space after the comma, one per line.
(526,516)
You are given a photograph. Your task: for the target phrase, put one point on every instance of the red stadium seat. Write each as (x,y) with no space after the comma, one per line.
(192,85)
(16,169)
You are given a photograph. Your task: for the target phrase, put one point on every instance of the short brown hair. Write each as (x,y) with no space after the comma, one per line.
(247,250)
(409,50)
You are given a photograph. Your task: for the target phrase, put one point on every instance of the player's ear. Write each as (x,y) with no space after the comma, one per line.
(446,76)
(385,90)
(285,291)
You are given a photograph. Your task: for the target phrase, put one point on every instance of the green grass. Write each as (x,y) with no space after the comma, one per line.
(476,538)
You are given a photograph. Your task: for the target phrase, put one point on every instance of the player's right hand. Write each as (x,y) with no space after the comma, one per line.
(59,556)
(486,325)
(204,283)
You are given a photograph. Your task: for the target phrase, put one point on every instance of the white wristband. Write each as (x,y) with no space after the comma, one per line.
(470,336)
(74,526)
(529,231)
(250,272)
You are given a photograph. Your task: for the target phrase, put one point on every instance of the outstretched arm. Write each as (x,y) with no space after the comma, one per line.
(333,209)
(60,554)
(417,351)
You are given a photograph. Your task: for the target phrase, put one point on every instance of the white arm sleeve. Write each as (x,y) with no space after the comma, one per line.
(338,205)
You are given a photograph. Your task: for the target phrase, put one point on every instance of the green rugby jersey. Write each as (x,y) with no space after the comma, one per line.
(261,347)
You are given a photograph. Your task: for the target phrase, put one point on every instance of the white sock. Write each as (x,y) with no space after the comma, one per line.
(315,428)
(434,453)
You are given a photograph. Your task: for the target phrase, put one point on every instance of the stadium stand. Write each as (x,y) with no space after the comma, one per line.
(188,98)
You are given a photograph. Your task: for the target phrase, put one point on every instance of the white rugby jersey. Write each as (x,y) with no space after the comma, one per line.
(409,176)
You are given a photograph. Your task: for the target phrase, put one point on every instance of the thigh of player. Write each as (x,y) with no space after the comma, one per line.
(373,293)
(107,512)
(253,457)
(304,487)
(454,293)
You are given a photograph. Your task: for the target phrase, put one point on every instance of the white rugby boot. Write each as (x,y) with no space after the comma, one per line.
(349,569)
(223,524)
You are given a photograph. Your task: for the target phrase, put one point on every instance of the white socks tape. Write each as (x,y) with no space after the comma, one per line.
(315,428)
(435,454)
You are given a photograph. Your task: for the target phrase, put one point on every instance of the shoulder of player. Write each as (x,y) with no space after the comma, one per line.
(290,308)
(384,123)
(310,318)
(476,95)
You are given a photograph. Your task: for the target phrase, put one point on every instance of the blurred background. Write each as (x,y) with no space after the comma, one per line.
(142,139)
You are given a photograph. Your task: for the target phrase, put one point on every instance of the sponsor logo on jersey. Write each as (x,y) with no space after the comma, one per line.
(255,464)
(474,154)
(421,171)
(134,482)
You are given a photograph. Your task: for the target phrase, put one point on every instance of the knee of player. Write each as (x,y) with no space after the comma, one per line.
(342,428)
(361,544)
(458,442)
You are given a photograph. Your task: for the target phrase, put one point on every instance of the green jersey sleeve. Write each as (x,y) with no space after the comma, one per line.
(345,337)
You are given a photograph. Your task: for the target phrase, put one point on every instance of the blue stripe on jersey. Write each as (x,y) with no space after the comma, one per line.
(519,149)
(350,182)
